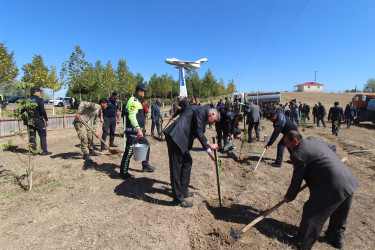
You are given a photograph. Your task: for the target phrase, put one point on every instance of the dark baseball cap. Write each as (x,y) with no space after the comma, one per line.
(35,88)
(116,93)
(141,86)
(272,113)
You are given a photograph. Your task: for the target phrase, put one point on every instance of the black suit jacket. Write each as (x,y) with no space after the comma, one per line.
(328,179)
(191,124)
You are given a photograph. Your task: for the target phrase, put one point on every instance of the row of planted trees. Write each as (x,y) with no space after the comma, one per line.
(94,81)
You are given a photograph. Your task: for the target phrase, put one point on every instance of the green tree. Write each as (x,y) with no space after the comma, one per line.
(110,81)
(72,70)
(139,78)
(52,82)
(222,89)
(155,86)
(11,88)
(193,83)
(35,72)
(166,84)
(89,80)
(209,82)
(126,79)
(8,68)
(370,86)
(231,87)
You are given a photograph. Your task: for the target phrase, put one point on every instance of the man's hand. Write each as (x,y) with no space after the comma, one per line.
(230,138)
(78,115)
(47,123)
(153,121)
(101,120)
(267,147)
(286,199)
(97,134)
(212,156)
(213,146)
(139,133)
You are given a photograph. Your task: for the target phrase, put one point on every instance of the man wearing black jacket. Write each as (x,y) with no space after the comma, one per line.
(39,121)
(331,184)
(180,137)
(281,124)
(336,114)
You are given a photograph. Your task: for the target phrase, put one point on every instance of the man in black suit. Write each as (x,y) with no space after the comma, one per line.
(180,137)
(336,115)
(281,124)
(331,186)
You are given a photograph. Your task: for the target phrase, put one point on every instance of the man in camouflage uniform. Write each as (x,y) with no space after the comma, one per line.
(88,111)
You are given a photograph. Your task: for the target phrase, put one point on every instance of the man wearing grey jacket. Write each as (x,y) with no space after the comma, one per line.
(253,119)
(331,184)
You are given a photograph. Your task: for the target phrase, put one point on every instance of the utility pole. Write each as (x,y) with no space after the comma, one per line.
(315,77)
(239,82)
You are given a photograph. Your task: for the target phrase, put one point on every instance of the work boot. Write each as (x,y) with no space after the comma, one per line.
(93,153)
(126,176)
(148,168)
(45,153)
(86,157)
(183,203)
(276,164)
(189,194)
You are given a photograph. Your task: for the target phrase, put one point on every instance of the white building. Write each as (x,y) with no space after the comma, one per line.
(309,87)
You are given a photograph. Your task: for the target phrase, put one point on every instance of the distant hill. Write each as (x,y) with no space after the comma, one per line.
(311,98)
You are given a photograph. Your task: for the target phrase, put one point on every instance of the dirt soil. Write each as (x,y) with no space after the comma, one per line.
(78,205)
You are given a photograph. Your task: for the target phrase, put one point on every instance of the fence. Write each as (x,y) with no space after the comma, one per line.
(55,121)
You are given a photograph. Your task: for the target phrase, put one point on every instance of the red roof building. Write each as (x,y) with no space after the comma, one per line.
(309,87)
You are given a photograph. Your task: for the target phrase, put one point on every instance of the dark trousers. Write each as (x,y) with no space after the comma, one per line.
(109,124)
(336,127)
(180,169)
(157,123)
(221,135)
(236,132)
(254,125)
(314,217)
(280,151)
(349,121)
(40,126)
(318,119)
(131,140)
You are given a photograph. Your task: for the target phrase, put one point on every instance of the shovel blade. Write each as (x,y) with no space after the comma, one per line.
(235,235)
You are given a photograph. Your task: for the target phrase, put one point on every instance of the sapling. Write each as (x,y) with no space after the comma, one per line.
(243,140)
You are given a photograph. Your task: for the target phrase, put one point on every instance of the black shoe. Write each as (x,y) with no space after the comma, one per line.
(93,153)
(333,241)
(276,165)
(249,141)
(289,162)
(45,153)
(113,145)
(86,157)
(294,242)
(126,176)
(189,194)
(102,149)
(148,168)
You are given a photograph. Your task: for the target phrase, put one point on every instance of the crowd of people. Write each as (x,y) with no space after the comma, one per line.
(331,183)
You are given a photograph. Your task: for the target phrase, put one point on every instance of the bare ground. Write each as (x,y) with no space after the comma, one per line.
(77,205)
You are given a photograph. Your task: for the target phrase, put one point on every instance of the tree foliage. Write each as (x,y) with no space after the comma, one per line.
(370,86)
(231,87)
(8,68)
(35,72)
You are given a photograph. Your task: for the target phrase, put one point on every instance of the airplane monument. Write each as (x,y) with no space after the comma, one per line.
(181,65)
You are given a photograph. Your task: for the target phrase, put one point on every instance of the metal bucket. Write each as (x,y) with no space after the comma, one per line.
(267,138)
(140,152)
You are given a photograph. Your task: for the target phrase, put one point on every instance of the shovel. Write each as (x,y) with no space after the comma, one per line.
(236,235)
(264,150)
(111,150)
(167,125)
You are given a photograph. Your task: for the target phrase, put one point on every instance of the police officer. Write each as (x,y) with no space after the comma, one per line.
(108,118)
(88,111)
(135,131)
(39,121)
(155,116)
(336,114)
(281,124)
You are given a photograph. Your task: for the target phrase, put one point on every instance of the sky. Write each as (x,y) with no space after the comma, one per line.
(263,45)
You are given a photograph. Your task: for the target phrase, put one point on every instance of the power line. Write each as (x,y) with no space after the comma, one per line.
(287,28)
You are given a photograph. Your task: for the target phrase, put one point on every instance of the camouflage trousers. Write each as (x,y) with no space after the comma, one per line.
(86,137)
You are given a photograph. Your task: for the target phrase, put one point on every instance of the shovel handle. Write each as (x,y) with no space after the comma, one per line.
(264,150)
(85,123)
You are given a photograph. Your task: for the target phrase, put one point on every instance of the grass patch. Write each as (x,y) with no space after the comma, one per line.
(65,166)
